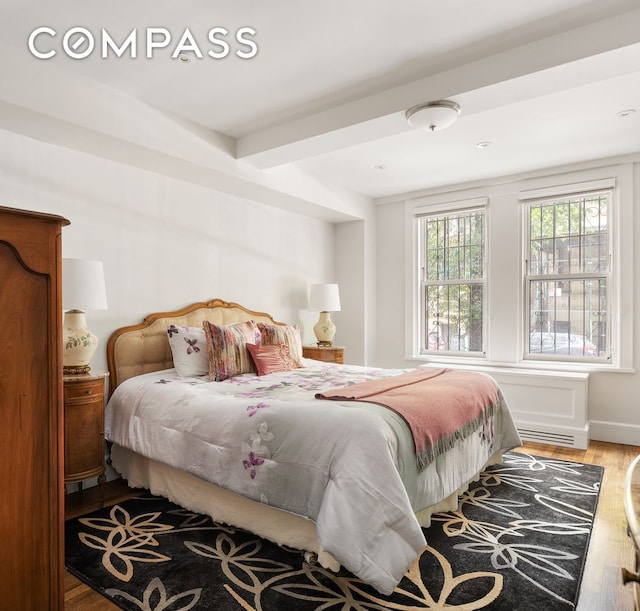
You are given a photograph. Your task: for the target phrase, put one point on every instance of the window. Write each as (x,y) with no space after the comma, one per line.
(452,281)
(568,267)
(535,273)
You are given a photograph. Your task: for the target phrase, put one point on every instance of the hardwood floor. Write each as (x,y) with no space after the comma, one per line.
(610,548)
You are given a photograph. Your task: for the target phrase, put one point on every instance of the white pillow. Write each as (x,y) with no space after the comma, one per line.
(189,350)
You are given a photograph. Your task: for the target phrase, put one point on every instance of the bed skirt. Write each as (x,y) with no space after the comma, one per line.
(281,527)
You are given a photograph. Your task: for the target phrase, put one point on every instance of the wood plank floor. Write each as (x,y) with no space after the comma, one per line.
(610,547)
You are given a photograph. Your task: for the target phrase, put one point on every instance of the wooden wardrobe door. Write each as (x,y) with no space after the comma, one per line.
(31,505)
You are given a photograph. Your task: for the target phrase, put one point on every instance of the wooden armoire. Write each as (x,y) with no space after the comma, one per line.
(31,412)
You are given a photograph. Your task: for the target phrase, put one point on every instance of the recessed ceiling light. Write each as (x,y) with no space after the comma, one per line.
(623,114)
(484,145)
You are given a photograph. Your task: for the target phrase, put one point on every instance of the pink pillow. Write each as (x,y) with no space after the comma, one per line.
(227,348)
(271,359)
(283,334)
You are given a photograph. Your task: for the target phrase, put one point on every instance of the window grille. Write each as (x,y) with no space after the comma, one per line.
(452,266)
(568,277)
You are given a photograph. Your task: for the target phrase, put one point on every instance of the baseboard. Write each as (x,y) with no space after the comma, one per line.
(615,432)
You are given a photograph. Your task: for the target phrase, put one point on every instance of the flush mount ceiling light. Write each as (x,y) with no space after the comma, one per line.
(433,115)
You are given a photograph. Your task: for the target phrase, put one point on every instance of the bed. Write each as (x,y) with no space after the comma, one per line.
(276,445)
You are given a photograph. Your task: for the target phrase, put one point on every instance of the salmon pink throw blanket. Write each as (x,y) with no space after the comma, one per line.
(440,406)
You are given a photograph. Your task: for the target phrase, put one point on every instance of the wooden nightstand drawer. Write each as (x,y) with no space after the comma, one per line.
(328,354)
(84,388)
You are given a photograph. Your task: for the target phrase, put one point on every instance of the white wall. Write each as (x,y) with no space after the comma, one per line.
(356,275)
(172,213)
(612,396)
(166,242)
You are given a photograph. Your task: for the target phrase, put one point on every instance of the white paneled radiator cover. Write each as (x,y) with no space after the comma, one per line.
(547,406)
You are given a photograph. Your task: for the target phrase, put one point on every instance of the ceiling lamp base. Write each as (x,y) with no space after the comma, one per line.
(433,116)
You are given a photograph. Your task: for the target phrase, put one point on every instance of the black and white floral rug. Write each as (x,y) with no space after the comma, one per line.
(518,541)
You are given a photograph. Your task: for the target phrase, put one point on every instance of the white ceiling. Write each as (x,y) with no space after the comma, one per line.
(327,91)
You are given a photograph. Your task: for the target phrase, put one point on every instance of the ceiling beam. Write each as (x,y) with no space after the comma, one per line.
(382,114)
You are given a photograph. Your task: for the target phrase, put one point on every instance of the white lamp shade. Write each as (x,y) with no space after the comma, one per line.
(324,298)
(83,285)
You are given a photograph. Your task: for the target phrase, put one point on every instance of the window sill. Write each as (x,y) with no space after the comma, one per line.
(534,367)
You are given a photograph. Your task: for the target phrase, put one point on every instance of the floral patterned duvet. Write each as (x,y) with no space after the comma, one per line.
(349,466)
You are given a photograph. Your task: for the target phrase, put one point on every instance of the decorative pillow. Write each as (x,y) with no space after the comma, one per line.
(270,359)
(283,334)
(227,348)
(189,350)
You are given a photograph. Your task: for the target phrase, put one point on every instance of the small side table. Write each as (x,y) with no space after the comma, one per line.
(84,428)
(328,354)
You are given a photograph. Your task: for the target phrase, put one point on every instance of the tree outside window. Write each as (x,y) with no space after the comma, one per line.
(452,262)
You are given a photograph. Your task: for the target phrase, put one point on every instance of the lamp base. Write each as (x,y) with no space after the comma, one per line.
(76,371)
(78,343)
(325,344)
(324,330)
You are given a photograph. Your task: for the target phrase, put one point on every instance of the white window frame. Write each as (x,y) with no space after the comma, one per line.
(620,279)
(506,310)
(550,196)
(417,285)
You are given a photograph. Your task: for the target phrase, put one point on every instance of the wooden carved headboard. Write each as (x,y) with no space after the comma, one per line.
(144,347)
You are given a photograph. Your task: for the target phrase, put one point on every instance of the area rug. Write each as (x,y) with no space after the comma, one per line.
(519,540)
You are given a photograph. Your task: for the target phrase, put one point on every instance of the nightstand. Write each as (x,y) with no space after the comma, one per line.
(328,354)
(84,428)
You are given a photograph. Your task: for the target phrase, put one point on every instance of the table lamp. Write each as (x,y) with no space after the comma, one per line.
(324,298)
(83,289)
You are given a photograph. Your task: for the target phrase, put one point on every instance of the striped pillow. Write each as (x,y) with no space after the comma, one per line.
(271,359)
(283,334)
(227,348)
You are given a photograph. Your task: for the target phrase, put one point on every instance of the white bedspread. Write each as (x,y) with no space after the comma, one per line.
(348,466)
